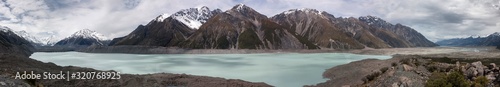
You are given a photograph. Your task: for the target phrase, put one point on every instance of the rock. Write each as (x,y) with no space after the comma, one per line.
(471,72)
(346,86)
(479,66)
(492,66)
(490,77)
(395,84)
(407,67)
(3,83)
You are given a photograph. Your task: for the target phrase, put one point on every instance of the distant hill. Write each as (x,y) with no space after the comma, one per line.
(490,40)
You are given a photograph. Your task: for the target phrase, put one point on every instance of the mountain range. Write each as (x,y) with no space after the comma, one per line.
(241,27)
(490,40)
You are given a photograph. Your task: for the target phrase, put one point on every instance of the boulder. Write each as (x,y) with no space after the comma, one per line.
(479,68)
(492,66)
(407,67)
(490,77)
(471,72)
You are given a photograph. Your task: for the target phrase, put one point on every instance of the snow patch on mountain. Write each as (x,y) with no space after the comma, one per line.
(194,17)
(371,20)
(240,7)
(306,10)
(4,29)
(162,17)
(87,33)
(50,40)
(28,37)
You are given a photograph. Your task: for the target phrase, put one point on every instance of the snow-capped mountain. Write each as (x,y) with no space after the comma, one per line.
(29,37)
(372,20)
(11,43)
(162,17)
(50,40)
(87,33)
(4,29)
(306,10)
(83,37)
(194,17)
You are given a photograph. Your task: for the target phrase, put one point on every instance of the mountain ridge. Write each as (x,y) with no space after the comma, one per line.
(242,27)
(84,37)
(490,40)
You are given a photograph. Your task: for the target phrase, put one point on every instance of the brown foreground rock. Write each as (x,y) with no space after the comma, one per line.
(415,70)
(11,64)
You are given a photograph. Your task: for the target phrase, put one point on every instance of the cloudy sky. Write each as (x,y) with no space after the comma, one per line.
(435,19)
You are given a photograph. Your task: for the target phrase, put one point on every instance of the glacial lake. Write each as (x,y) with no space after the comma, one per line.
(277,69)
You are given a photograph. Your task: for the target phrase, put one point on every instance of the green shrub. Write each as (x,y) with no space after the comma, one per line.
(383,70)
(454,79)
(457,79)
(432,68)
(437,79)
(481,81)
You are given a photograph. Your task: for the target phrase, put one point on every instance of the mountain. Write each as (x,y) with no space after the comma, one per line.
(170,31)
(411,36)
(32,39)
(327,31)
(241,27)
(49,41)
(490,40)
(83,37)
(244,28)
(36,41)
(318,27)
(11,43)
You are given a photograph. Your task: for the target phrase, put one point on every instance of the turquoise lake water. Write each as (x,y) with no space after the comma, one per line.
(277,69)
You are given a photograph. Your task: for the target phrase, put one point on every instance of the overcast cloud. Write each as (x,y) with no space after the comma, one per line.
(435,19)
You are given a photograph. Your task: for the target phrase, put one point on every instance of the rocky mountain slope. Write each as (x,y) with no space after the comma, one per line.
(244,28)
(241,27)
(11,43)
(30,38)
(349,33)
(169,31)
(320,28)
(83,37)
(402,32)
(490,40)
(37,41)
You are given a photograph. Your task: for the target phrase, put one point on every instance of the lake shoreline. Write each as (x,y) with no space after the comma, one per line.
(371,51)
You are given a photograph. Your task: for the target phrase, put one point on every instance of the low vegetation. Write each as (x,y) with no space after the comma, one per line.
(453,79)
(481,81)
